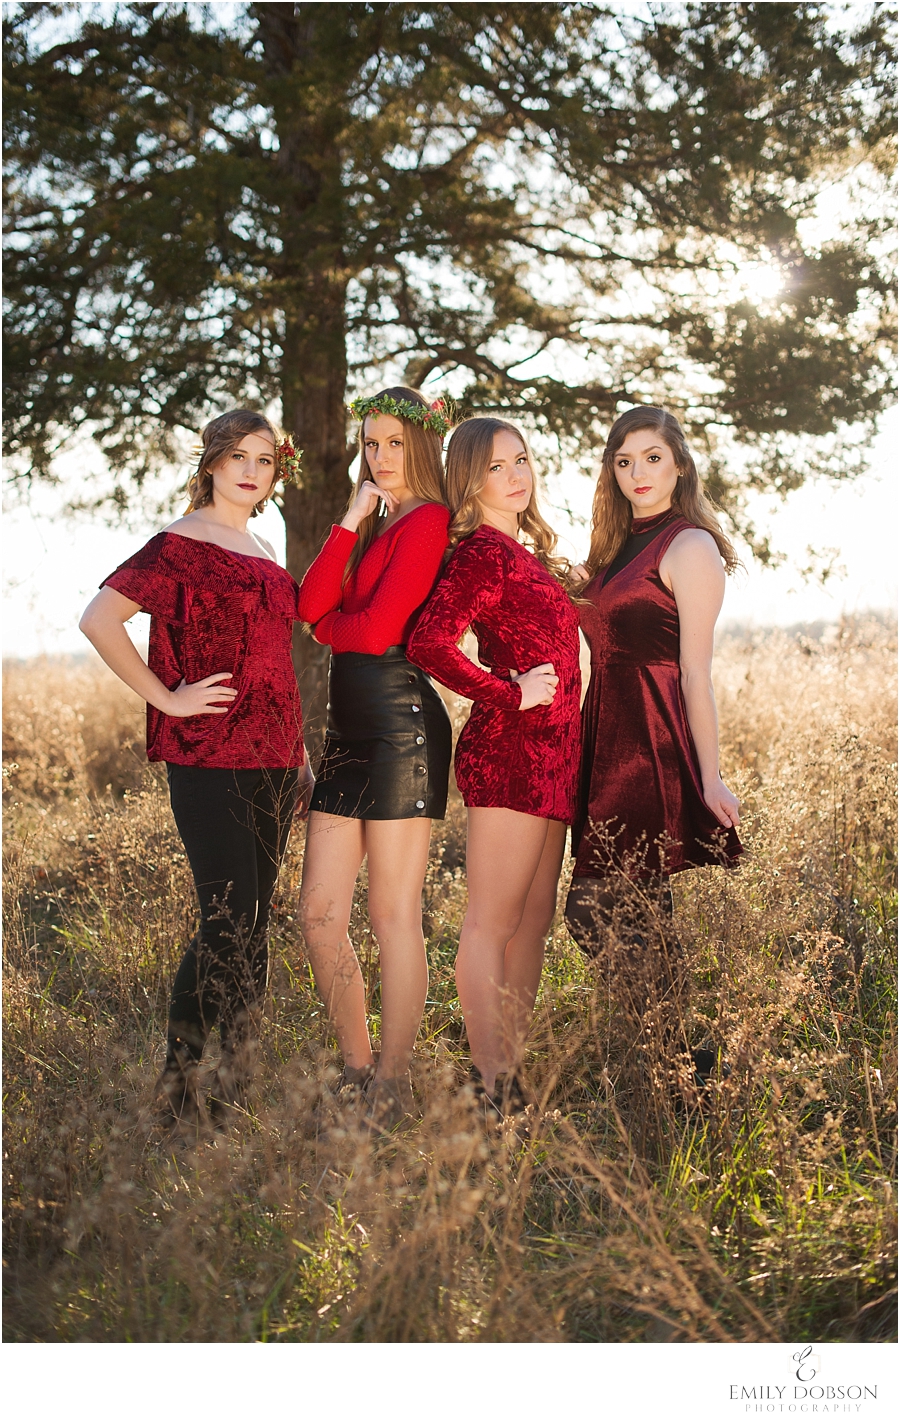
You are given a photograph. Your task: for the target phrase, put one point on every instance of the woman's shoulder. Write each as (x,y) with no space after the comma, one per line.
(432,514)
(155,554)
(486,540)
(689,540)
(200,564)
(477,548)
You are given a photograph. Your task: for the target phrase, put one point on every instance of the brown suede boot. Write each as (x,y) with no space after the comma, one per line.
(354,1084)
(389,1103)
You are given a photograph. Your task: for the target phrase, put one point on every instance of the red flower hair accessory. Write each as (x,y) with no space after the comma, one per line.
(288,458)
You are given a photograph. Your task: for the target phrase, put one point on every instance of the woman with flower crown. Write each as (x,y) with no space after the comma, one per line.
(384,770)
(223,713)
(517,756)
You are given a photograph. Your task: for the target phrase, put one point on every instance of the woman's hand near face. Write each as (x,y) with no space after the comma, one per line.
(579,575)
(206,695)
(538,686)
(365,502)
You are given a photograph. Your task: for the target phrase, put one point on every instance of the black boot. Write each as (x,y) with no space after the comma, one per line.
(697,1093)
(230,1082)
(176,1098)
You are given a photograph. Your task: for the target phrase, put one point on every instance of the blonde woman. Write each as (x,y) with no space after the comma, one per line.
(517,756)
(223,712)
(383,775)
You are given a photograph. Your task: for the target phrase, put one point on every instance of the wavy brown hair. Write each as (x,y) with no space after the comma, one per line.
(468,463)
(218,440)
(612,513)
(423,470)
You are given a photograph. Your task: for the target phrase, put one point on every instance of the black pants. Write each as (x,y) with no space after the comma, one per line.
(235,826)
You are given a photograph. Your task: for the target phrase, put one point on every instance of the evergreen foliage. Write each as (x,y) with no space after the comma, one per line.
(545,205)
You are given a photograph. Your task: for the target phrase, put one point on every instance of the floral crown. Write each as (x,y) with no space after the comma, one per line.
(433,418)
(288,461)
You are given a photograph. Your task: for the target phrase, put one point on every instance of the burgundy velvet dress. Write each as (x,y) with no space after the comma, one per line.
(521,617)
(640,806)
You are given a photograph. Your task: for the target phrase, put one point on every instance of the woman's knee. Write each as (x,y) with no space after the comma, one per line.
(540,915)
(317,913)
(393,919)
(484,930)
(228,916)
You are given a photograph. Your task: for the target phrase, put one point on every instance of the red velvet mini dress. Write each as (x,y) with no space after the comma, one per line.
(641,806)
(521,617)
(388,736)
(217,611)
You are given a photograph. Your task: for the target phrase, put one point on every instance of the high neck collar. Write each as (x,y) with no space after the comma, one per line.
(640,525)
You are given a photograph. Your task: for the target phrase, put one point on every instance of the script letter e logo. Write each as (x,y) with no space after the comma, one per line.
(806,1369)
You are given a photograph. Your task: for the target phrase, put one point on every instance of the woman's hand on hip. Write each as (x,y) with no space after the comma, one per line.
(538,686)
(207,695)
(367,499)
(724,805)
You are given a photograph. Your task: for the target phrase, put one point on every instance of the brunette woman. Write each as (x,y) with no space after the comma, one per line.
(517,756)
(383,774)
(652,801)
(223,713)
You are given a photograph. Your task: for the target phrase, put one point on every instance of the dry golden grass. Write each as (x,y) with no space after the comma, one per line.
(771,1218)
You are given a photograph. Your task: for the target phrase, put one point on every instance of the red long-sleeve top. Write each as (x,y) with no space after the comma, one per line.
(378,605)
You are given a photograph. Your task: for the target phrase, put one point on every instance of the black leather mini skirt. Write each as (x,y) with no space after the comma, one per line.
(388,741)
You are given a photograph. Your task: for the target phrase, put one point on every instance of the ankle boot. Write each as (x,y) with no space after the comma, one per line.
(507,1099)
(509,1094)
(176,1098)
(230,1082)
(354,1084)
(389,1102)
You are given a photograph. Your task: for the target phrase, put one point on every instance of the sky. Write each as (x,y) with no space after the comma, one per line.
(53,563)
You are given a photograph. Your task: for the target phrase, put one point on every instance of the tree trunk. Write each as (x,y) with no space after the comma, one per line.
(314,411)
(309,102)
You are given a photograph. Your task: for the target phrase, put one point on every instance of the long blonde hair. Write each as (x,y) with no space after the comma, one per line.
(469,457)
(423,470)
(612,513)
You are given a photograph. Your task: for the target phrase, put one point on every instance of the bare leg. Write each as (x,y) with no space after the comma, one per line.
(524,957)
(335,848)
(398,856)
(503,857)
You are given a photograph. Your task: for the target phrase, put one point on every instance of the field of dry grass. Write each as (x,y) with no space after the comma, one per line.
(771,1218)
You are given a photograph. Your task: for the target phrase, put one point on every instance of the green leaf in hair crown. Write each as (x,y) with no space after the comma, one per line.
(289,458)
(433,418)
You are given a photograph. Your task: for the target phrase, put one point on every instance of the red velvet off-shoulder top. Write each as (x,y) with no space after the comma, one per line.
(215,611)
(378,605)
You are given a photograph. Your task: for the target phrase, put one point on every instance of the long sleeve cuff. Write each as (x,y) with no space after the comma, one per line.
(322,631)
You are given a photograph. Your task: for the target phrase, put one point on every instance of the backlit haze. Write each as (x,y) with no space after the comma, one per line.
(53,563)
